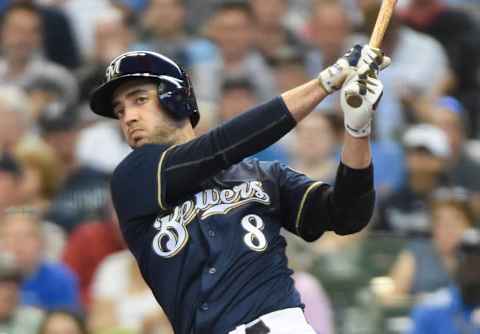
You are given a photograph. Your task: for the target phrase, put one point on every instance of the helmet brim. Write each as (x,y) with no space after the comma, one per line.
(101,97)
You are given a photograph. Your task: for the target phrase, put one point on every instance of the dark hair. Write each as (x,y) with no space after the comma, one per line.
(457,197)
(25,5)
(239,5)
(237,83)
(75,316)
(58,118)
(149,2)
(9,164)
(287,57)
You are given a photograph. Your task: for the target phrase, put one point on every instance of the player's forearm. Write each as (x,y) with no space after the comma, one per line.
(303,99)
(356,152)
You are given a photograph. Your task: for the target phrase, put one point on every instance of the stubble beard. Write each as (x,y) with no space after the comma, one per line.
(169,135)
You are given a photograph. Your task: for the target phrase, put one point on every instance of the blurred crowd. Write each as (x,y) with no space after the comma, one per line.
(415,269)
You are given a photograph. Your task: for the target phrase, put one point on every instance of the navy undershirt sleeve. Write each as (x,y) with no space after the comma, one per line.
(187,166)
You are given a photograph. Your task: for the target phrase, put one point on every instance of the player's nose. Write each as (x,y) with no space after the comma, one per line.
(131,115)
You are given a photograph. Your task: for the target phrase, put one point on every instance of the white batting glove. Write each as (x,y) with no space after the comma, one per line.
(372,61)
(365,60)
(332,78)
(363,93)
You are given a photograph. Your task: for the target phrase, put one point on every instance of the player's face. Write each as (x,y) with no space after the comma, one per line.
(142,119)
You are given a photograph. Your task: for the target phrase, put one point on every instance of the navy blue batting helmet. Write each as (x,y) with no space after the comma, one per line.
(175,91)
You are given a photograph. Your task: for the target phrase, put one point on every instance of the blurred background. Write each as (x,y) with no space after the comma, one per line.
(63,264)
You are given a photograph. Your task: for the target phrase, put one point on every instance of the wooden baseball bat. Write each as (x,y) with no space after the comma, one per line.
(383,19)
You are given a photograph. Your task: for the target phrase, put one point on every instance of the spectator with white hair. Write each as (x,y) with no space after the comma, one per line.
(16,116)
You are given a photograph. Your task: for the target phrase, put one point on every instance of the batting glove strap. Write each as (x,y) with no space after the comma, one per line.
(332,78)
(372,61)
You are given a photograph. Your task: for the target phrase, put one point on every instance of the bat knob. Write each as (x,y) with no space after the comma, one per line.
(354,101)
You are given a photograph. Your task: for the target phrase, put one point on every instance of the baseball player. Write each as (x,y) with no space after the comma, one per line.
(202,221)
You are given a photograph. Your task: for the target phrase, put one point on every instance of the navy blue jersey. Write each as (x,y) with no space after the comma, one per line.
(204,224)
(218,254)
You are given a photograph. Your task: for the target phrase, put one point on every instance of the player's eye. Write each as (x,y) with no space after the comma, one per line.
(118,111)
(141,99)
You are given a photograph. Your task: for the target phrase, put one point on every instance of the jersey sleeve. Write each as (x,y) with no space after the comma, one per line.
(136,183)
(297,192)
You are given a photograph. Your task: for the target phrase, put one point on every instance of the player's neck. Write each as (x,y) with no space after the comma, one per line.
(184,135)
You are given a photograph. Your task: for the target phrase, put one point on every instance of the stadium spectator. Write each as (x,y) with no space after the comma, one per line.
(83,190)
(50,92)
(405,212)
(454,310)
(112,36)
(162,29)
(107,157)
(427,265)
(238,95)
(106,237)
(21,42)
(40,169)
(47,285)
(125,303)
(232,56)
(39,183)
(457,30)
(315,145)
(15,318)
(318,310)
(289,69)
(462,169)
(272,37)
(82,15)
(16,116)
(63,322)
(10,181)
(56,30)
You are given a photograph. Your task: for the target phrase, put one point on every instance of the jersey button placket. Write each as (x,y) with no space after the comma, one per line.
(211,233)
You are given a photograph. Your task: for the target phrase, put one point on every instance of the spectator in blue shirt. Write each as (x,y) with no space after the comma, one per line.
(455,310)
(46,285)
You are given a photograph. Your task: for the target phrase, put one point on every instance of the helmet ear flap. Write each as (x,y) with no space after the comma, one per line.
(174,101)
(180,102)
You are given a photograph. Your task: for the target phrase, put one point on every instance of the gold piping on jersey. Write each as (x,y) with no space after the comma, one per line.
(159,179)
(302,203)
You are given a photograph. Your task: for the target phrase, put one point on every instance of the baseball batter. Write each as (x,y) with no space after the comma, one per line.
(202,221)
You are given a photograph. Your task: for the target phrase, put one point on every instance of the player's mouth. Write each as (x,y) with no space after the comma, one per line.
(137,136)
